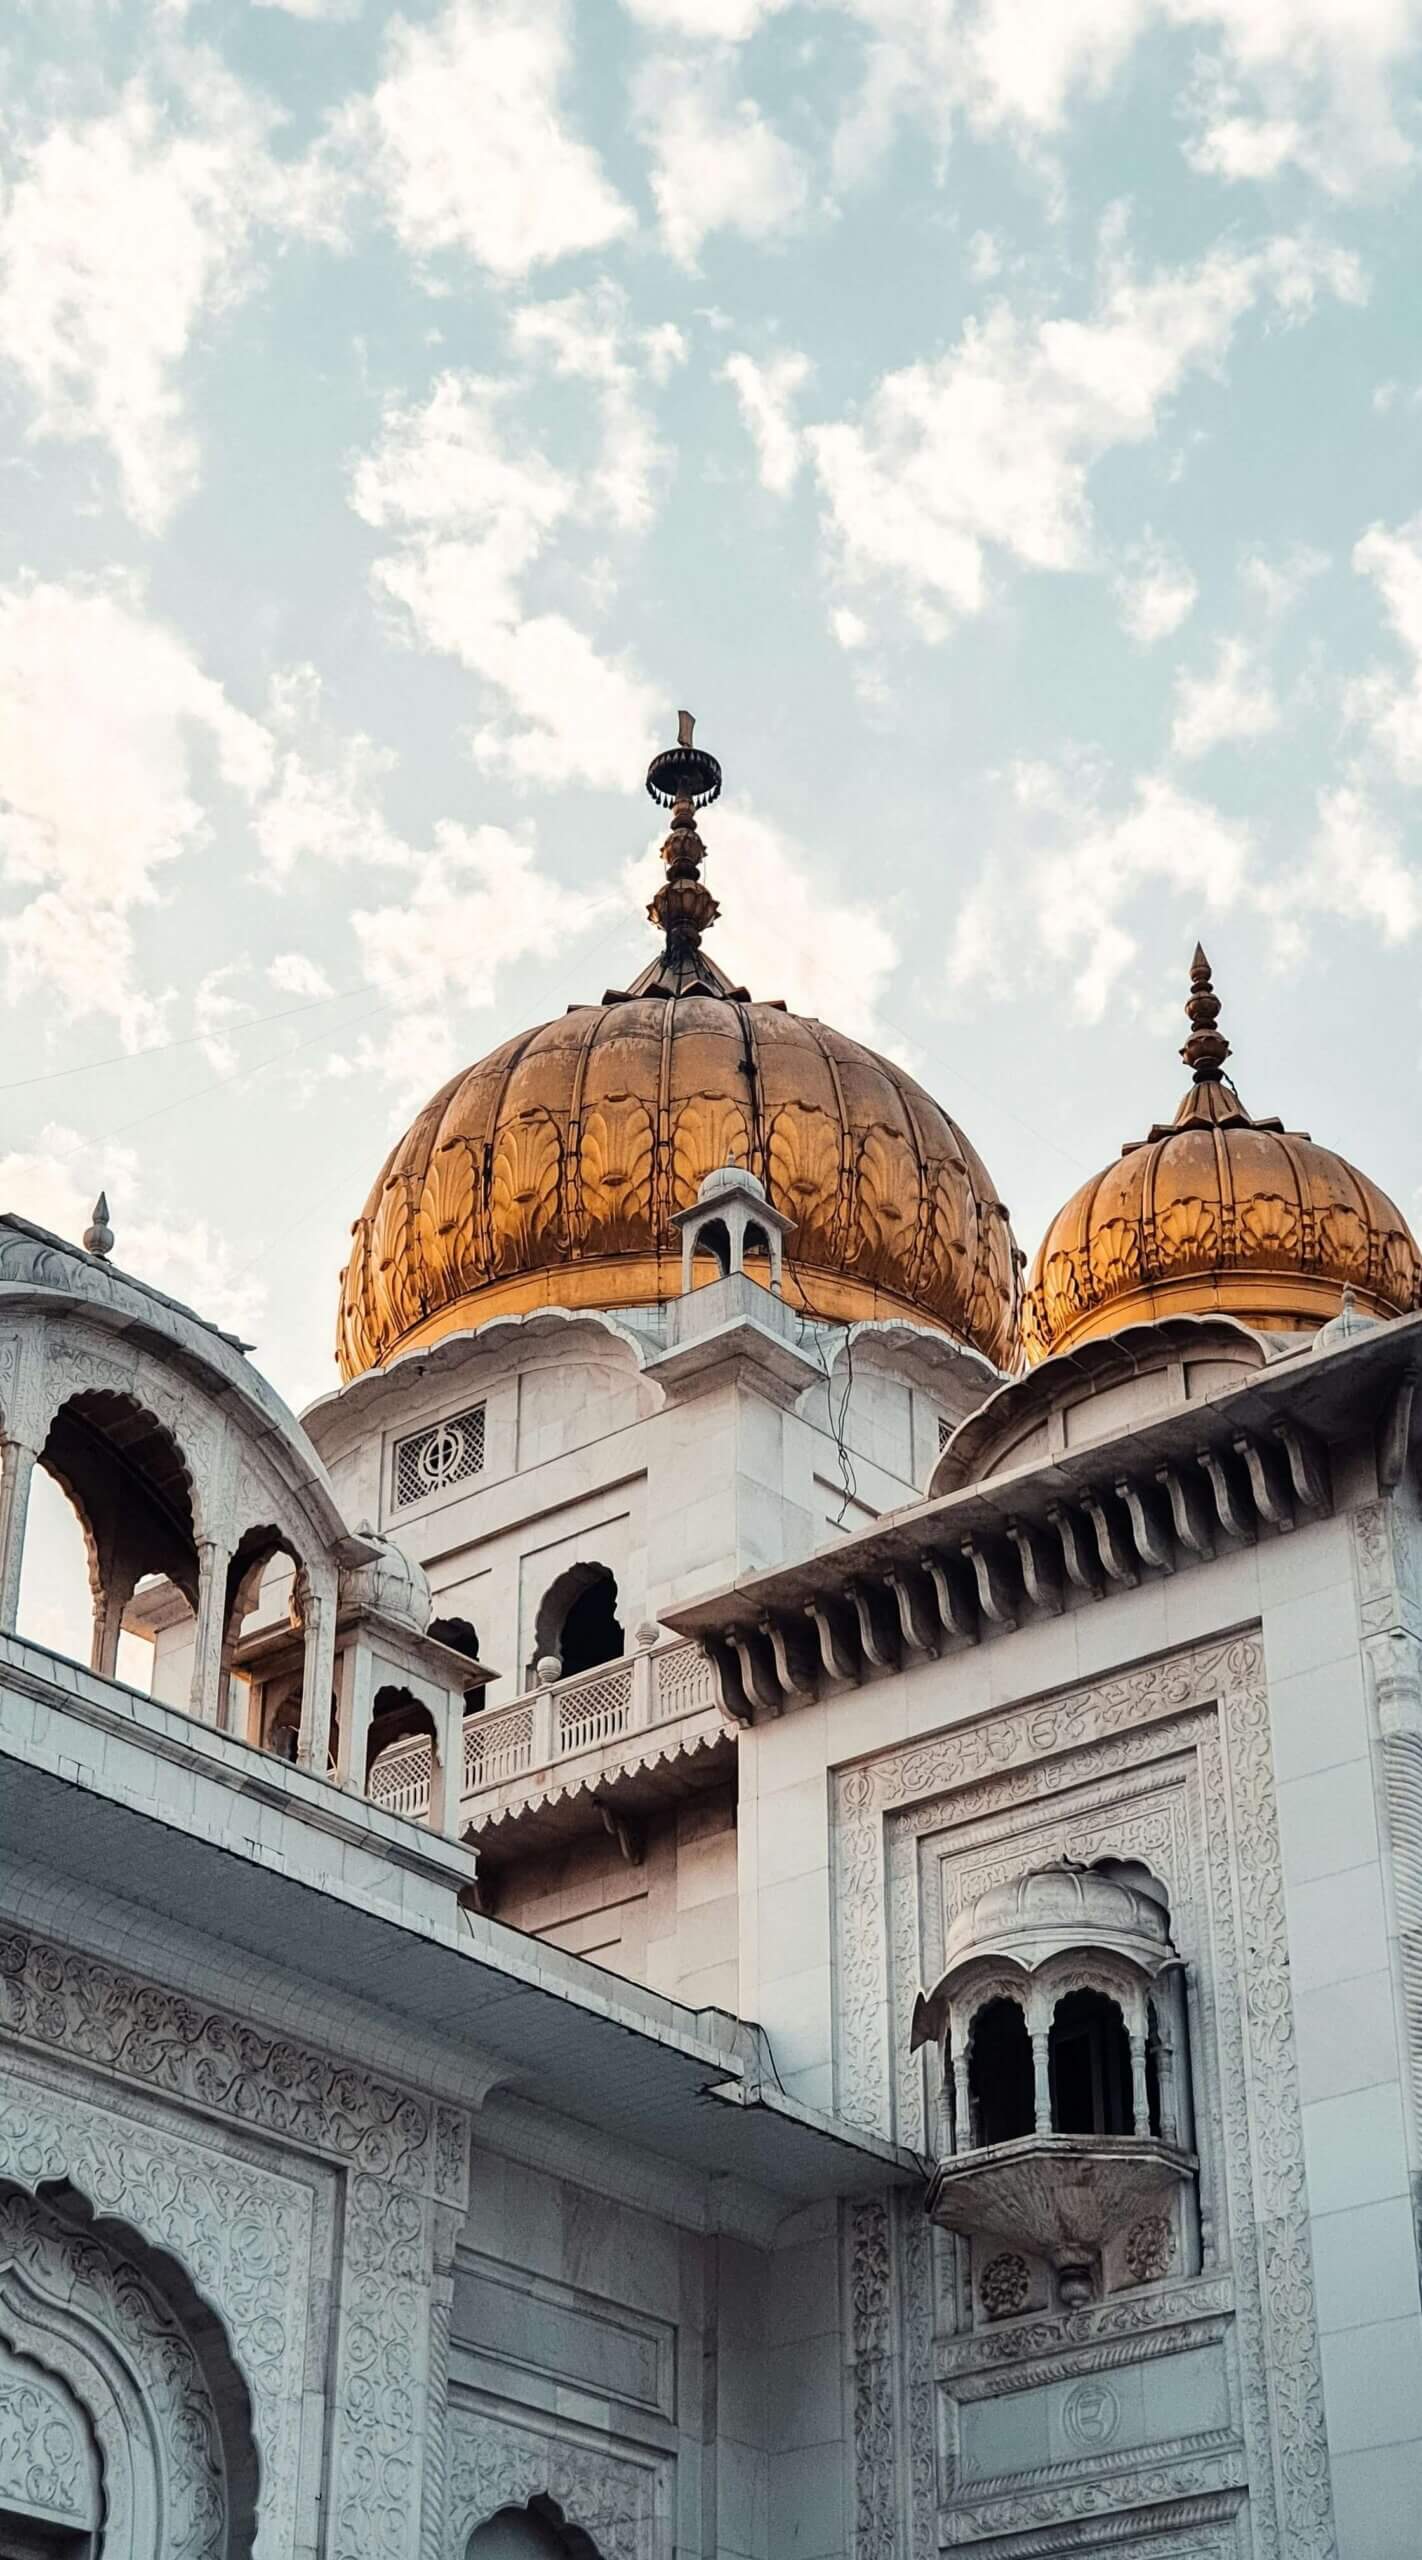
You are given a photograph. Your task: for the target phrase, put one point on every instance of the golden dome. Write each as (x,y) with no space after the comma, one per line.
(548,1174)
(1217,1212)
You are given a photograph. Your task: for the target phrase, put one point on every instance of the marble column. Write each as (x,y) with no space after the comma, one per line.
(17,1466)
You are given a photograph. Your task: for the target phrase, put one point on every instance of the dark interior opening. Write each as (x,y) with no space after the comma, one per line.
(592,1631)
(1090,2060)
(1000,2079)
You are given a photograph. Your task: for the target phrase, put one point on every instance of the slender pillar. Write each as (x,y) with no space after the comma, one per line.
(318,1618)
(108,1623)
(447,1775)
(962,2105)
(357,1674)
(208,1698)
(1140,2095)
(1042,2078)
(17,1465)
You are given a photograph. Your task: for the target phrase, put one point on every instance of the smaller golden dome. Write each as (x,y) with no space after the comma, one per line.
(1218,1213)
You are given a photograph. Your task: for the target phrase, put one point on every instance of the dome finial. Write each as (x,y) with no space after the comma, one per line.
(1207,1048)
(99,1235)
(683,778)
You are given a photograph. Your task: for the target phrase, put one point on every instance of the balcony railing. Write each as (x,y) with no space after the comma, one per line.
(555,1724)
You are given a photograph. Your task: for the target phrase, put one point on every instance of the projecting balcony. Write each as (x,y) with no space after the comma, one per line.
(602,1750)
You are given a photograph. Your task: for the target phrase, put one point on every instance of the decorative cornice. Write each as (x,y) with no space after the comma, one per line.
(978,1562)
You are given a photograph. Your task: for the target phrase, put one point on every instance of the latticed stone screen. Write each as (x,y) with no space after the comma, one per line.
(444,1455)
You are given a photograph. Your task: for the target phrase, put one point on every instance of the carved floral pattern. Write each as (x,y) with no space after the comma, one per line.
(1004,2284)
(1014,1758)
(53,1996)
(1149,2248)
(106,2295)
(495,2464)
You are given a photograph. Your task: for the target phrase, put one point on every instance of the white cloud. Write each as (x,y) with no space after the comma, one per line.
(103,717)
(121,234)
(476,507)
(716,164)
(55,1183)
(1307,83)
(1231,701)
(708,21)
(586,337)
(767,394)
(849,629)
(1057,909)
(338,11)
(1390,704)
(1155,592)
(1276,585)
(988,448)
(295,973)
(472,149)
(1356,869)
(784,930)
(478,902)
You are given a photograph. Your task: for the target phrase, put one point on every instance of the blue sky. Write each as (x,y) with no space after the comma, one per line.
(999,422)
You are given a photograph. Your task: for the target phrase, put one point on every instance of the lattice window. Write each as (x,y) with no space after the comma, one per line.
(945,1432)
(445,1455)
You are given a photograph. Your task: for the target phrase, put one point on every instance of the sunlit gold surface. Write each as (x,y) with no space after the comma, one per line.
(548,1175)
(1219,1213)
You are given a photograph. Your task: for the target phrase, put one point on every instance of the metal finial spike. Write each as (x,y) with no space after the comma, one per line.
(99,1235)
(1207,1048)
(685,728)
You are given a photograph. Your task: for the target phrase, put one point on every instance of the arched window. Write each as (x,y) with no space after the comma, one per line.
(577,1620)
(535,2532)
(1089,2056)
(458,1633)
(127,1481)
(1000,2079)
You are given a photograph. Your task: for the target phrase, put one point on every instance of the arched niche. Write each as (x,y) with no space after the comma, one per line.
(147,2417)
(539,2531)
(577,1621)
(130,1487)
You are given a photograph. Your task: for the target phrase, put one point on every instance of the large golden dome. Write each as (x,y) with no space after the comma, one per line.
(1217,1212)
(548,1174)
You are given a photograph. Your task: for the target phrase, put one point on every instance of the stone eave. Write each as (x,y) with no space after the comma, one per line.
(1244,1460)
(273,1861)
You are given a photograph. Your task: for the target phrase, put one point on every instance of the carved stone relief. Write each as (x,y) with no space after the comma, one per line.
(247,2237)
(48,2460)
(1207,1824)
(620,2502)
(51,1996)
(73,2295)
(242,2235)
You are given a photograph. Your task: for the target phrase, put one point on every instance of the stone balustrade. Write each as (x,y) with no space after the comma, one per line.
(593,1714)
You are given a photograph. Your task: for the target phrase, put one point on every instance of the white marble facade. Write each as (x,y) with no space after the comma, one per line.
(534,2155)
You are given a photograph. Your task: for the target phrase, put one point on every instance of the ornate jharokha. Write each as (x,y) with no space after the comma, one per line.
(1060,2020)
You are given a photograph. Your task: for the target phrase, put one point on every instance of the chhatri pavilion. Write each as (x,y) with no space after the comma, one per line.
(765,1898)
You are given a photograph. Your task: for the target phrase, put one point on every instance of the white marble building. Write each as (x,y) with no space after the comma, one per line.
(768,1899)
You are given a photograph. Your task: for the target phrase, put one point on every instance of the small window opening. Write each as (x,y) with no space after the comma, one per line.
(1000,2078)
(1090,2062)
(714,1240)
(592,1630)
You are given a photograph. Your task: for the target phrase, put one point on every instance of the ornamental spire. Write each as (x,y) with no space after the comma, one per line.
(683,778)
(1207,1048)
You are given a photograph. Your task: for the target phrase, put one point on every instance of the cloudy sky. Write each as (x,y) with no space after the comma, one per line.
(999,421)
